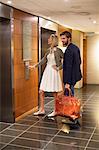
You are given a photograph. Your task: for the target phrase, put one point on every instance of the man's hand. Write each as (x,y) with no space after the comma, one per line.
(67,86)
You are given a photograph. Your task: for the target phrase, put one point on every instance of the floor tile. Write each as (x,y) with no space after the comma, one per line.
(75,134)
(2,145)
(5,139)
(37,136)
(94,144)
(43,130)
(54,146)
(3,126)
(19,127)
(26,122)
(47,125)
(95,137)
(29,143)
(11,132)
(10,147)
(69,140)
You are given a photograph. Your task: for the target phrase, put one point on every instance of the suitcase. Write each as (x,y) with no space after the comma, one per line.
(68,106)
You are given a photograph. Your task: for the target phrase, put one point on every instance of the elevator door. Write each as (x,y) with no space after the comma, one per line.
(6,105)
(45,33)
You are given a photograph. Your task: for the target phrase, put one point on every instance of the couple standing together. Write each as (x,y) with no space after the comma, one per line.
(55,59)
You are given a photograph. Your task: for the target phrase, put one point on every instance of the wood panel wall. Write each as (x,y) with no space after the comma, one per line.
(25,91)
(60,30)
(85,61)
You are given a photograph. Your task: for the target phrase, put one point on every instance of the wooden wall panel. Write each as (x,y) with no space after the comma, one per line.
(60,30)
(85,61)
(25,91)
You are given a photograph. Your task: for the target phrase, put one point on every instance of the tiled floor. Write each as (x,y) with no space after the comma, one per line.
(36,133)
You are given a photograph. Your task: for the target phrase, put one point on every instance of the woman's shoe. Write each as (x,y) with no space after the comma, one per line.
(39,113)
(53,114)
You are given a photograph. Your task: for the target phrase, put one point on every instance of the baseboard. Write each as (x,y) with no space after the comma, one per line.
(27,113)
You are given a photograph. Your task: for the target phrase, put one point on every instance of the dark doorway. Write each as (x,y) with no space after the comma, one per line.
(45,33)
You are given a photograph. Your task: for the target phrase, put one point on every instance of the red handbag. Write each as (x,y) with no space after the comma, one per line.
(68,106)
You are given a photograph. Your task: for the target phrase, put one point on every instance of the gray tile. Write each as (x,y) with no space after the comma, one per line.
(37,136)
(26,122)
(97,130)
(92,148)
(69,140)
(86,129)
(95,137)
(75,135)
(2,145)
(3,126)
(10,147)
(5,139)
(32,118)
(29,143)
(19,127)
(94,144)
(48,125)
(43,130)
(11,132)
(54,146)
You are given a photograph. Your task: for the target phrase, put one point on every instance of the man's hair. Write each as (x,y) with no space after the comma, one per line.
(67,34)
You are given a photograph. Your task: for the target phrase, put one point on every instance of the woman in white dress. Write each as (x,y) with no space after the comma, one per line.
(51,81)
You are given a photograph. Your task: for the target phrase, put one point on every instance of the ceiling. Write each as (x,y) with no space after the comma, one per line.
(80,15)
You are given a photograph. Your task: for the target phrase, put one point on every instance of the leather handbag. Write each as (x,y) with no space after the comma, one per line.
(68,106)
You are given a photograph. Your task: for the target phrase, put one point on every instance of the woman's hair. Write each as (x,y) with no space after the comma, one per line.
(54,39)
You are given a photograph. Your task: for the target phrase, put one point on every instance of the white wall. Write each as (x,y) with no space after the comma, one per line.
(93,59)
(47,24)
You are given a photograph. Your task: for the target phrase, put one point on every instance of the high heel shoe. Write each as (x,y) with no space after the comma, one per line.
(39,113)
(53,114)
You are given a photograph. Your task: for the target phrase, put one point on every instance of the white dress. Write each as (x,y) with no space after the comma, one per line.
(51,81)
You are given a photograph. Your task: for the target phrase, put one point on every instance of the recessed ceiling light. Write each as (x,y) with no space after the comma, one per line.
(9,2)
(65,0)
(49,18)
(94,21)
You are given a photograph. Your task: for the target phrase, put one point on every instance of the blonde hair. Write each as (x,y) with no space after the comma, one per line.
(54,40)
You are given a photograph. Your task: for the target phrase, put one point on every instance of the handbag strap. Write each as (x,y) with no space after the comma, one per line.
(69,91)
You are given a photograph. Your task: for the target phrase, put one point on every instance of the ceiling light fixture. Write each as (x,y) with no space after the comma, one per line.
(9,2)
(96,32)
(94,21)
(65,0)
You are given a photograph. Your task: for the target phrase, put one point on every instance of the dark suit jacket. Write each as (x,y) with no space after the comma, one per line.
(71,65)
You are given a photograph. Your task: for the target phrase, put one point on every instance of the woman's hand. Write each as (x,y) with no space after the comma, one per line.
(55,67)
(31,66)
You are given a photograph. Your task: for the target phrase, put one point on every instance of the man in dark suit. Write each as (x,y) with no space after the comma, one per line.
(71,62)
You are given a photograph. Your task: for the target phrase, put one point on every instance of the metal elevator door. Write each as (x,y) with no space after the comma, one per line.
(6,106)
